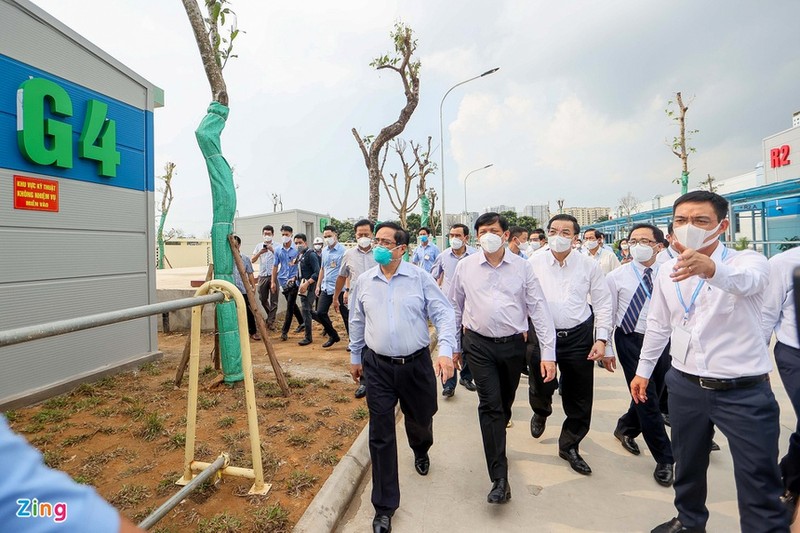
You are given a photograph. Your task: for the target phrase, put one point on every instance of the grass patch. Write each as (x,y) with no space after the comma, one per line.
(151,368)
(325,458)
(59,402)
(87,403)
(269,389)
(167,484)
(299,417)
(85,389)
(231,439)
(136,470)
(341,398)
(144,513)
(83,479)
(276,403)
(108,382)
(50,416)
(42,440)
(106,412)
(53,458)
(207,371)
(297,383)
(13,416)
(76,439)
(204,491)
(299,441)
(345,429)
(275,429)
(300,481)
(153,427)
(327,412)
(33,427)
(207,402)
(314,426)
(271,519)
(226,422)
(360,413)
(310,402)
(220,523)
(129,496)
(176,441)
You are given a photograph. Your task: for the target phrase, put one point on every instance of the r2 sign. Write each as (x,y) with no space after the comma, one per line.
(779,157)
(48,141)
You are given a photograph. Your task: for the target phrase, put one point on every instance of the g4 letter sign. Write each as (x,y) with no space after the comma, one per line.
(48,141)
(779,157)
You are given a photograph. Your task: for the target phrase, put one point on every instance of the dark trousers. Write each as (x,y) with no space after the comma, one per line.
(414,385)
(307,302)
(644,418)
(251,320)
(496,369)
(321,314)
(466,373)
(268,297)
(788,361)
(345,312)
(748,417)
(291,310)
(577,384)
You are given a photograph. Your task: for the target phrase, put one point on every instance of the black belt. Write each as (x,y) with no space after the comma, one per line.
(500,340)
(401,359)
(562,333)
(632,334)
(725,384)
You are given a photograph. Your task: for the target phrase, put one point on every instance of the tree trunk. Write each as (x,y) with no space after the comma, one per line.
(219,91)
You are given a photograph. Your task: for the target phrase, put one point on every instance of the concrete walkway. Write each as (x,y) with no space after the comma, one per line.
(621,494)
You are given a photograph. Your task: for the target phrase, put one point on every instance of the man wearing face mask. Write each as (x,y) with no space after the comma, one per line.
(593,242)
(538,241)
(518,241)
(631,288)
(443,270)
(332,254)
(356,261)
(264,254)
(284,273)
(318,244)
(569,279)
(668,252)
(308,272)
(389,341)
(707,304)
(426,253)
(495,293)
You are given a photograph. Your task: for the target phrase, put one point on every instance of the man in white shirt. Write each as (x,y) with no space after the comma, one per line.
(537,241)
(593,243)
(779,316)
(631,287)
(668,252)
(264,254)
(569,279)
(707,304)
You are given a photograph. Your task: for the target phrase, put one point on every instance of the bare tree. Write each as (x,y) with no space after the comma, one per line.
(628,205)
(166,203)
(408,70)
(435,215)
(419,168)
(708,184)
(679,144)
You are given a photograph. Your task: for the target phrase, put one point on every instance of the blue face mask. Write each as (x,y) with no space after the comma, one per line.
(423,238)
(382,255)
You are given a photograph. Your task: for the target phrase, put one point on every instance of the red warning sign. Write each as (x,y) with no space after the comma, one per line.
(35,194)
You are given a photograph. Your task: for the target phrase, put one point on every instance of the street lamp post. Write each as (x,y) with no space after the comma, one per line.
(441,136)
(465,185)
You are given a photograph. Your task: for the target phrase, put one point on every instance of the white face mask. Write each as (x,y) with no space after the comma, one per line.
(287,239)
(624,246)
(329,241)
(641,253)
(535,245)
(559,244)
(690,236)
(364,242)
(318,246)
(456,243)
(491,242)
(267,239)
(591,245)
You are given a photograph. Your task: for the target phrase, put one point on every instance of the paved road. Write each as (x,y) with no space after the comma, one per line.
(621,494)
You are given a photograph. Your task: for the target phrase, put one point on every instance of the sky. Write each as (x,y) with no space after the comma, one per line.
(576,110)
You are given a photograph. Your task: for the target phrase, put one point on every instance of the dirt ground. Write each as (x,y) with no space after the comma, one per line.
(125,434)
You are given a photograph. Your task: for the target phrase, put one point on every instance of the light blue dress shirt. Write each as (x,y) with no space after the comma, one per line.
(424,256)
(25,477)
(287,266)
(391,316)
(446,263)
(331,262)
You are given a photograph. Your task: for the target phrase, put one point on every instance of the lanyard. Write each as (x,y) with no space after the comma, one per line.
(695,294)
(641,281)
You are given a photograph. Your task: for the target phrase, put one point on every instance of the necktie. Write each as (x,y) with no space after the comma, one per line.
(637,302)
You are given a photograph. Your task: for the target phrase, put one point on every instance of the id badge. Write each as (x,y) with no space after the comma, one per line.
(679,347)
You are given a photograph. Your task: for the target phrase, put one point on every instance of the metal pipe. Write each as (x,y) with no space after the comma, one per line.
(59,327)
(179,496)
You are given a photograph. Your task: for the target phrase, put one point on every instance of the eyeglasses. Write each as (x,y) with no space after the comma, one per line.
(700,221)
(645,242)
(383,242)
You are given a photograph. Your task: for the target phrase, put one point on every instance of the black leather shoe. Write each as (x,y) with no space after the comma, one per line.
(304,342)
(575,461)
(468,384)
(422,464)
(537,425)
(330,342)
(714,446)
(628,443)
(299,328)
(381,523)
(361,391)
(448,392)
(675,526)
(284,337)
(664,474)
(501,491)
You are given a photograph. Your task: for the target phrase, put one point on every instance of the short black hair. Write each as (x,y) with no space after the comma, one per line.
(719,203)
(425,229)
(657,233)
(487,219)
(597,233)
(268,228)
(516,231)
(540,232)
(288,228)
(330,228)
(400,235)
(568,218)
(364,222)
(301,236)
(669,228)
(237,239)
(463,227)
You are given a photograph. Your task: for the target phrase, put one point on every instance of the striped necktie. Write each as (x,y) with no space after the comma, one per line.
(637,302)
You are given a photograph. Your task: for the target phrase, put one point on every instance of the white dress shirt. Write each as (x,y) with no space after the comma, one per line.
(497,301)
(608,260)
(665,255)
(725,321)
(568,288)
(623,284)
(778,312)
